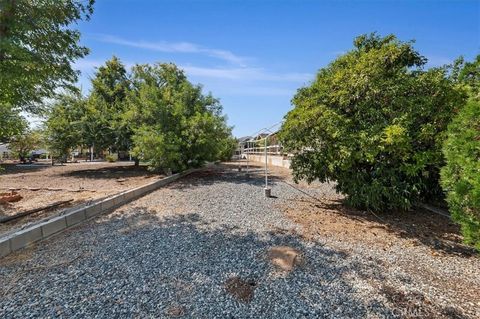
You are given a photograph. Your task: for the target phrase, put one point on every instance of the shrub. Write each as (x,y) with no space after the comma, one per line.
(461,174)
(110,158)
(373,121)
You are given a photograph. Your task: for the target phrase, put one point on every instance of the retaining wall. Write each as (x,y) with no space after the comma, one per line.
(45,229)
(274,160)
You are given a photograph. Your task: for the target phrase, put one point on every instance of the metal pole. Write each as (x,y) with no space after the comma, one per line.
(266,174)
(267,190)
(248,142)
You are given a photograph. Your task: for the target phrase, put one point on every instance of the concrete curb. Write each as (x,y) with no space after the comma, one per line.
(55,225)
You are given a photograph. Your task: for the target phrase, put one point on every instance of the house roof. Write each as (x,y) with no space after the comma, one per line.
(244,138)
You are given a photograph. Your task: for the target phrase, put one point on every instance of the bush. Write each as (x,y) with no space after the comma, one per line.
(373,121)
(461,174)
(111,158)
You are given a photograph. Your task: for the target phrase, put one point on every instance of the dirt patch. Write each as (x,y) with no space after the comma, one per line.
(241,289)
(412,304)
(11,197)
(175,311)
(41,184)
(284,258)
(330,217)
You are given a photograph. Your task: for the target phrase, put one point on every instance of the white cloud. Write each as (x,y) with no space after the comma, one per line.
(88,65)
(233,74)
(250,74)
(179,47)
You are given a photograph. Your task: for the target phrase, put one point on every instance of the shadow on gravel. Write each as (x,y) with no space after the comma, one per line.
(143,265)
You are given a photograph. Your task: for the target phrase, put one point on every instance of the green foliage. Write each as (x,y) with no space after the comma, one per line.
(105,125)
(37,48)
(227,147)
(373,121)
(175,126)
(110,158)
(157,114)
(64,129)
(467,74)
(461,174)
(23,144)
(94,121)
(11,123)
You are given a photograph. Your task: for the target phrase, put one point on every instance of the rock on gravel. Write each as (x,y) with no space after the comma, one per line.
(177,251)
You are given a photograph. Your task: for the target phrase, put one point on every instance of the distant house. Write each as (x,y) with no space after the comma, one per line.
(242,144)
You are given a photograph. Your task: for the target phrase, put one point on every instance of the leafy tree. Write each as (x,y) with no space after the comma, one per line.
(77,121)
(227,148)
(22,144)
(37,48)
(467,74)
(106,127)
(110,82)
(175,126)
(96,127)
(64,126)
(373,121)
(11,123)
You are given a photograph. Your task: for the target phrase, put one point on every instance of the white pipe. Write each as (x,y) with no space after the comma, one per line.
(266,172)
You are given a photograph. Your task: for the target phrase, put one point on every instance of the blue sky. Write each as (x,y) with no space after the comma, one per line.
(254,55)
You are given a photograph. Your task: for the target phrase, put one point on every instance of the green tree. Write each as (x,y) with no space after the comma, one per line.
(105,125)
(373,121)
(37,48)
(228,145)
(175,126)
(23,144)
(111,83)
(11,123)
(64,125)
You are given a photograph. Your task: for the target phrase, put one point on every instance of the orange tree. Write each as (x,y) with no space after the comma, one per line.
(373,121)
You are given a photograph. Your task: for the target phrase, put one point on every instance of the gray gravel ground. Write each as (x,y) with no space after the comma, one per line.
(169,254)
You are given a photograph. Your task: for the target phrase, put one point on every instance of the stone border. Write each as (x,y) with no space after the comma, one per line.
(55,225)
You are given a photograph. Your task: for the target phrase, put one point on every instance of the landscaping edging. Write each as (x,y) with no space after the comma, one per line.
(55,225)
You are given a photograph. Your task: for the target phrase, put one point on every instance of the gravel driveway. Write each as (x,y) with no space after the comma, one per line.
(202,248)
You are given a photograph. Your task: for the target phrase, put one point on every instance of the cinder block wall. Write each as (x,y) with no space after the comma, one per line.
(274,160)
